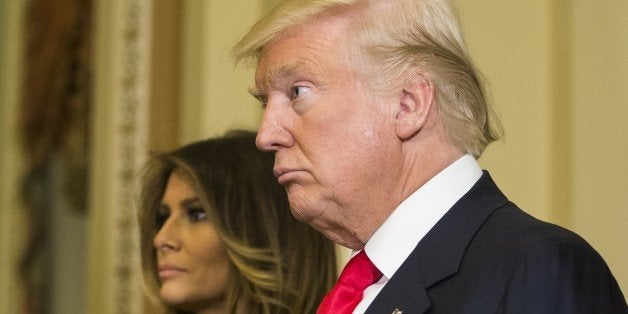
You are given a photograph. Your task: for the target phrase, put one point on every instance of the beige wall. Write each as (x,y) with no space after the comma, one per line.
(600,129)
(517,68)
(558,73)
(214,91)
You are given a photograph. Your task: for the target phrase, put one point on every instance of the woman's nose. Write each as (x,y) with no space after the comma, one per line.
(167,238)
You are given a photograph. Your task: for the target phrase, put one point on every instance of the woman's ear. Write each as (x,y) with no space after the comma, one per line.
(414,107)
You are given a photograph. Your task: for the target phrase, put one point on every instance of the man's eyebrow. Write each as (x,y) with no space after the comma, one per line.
(274,76)
(258,94)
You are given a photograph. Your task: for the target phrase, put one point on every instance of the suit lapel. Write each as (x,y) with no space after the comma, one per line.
(439,254)
(404,292)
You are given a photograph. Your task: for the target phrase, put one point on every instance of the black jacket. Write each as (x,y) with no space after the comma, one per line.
(488,256)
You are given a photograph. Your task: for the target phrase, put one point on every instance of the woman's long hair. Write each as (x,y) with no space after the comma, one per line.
(278,264)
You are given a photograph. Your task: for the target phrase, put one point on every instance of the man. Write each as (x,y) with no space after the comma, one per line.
(376,116)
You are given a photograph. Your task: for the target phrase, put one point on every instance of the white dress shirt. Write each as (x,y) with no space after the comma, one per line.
(396,238)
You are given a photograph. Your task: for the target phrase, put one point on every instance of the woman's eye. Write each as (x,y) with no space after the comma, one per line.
(161,218)
(162,215)
(298,91)
(196,214)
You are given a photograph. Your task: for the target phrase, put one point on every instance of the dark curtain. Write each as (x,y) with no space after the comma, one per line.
(54,121)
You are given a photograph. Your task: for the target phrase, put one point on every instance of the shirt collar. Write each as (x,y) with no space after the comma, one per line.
(396,238)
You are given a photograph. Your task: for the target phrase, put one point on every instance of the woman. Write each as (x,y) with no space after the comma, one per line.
(217,234)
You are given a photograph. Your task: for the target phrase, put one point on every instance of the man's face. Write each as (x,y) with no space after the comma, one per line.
(333,138)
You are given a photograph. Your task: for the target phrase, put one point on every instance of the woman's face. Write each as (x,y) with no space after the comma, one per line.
(192,261)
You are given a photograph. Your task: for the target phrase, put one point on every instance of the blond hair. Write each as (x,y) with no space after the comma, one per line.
(393,42)
(278,264)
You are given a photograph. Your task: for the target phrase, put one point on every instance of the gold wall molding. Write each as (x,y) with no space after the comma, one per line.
(121,91)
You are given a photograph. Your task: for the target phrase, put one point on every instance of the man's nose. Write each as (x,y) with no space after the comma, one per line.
(273,133)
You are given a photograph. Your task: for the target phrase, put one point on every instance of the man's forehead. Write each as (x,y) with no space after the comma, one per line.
(272,71)
(304,52)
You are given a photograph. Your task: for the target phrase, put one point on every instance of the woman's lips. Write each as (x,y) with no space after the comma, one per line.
(167,271)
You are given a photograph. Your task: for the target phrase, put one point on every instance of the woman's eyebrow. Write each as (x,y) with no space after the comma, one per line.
(190,201)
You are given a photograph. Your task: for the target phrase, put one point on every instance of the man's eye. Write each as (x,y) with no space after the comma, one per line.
(196,214)
(298,91)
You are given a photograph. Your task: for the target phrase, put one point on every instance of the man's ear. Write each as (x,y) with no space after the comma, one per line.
(414,107)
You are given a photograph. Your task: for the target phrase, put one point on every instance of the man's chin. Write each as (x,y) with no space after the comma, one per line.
(302,215)
(342,239)
(337,234)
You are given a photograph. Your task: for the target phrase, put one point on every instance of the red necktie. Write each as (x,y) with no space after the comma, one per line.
(358,274)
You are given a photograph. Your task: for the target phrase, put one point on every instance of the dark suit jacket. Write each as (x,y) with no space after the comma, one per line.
(487,256)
